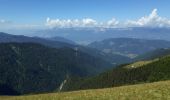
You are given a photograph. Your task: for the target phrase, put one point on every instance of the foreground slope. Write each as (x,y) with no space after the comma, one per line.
(149,91)
(34,68)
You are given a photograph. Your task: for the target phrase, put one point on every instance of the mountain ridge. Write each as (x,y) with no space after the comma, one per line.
(51,42)
(130,47)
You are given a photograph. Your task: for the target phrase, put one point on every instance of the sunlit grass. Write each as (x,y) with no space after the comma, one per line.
(140,63)
(149,91)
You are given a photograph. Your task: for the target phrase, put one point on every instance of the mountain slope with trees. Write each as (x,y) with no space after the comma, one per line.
(153,54)
(157,70)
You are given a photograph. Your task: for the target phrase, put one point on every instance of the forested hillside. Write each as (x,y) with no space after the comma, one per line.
(34,68)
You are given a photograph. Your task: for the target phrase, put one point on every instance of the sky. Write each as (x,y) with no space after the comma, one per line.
(83,13)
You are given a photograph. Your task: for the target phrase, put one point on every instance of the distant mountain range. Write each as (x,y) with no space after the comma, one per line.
(129,47)
(33,68)
(88,35)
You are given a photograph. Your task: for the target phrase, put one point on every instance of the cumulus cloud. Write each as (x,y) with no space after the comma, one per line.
(153,20)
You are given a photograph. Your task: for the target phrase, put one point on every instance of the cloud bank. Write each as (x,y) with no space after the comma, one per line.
(152,20)
(86,22)
(71,23)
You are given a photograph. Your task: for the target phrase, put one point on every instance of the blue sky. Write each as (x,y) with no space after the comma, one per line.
(37,11)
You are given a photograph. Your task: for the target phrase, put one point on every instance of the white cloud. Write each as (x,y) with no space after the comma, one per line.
(153,20)
(112,23)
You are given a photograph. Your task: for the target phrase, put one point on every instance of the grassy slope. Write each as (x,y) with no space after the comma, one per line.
(149,91)
(140,63)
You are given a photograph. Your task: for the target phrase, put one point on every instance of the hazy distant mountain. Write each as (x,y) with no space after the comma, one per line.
(129,47)
(87,35)
(34,68)
(7,38)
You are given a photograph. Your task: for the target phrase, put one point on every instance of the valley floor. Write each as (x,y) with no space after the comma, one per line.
(149,91)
